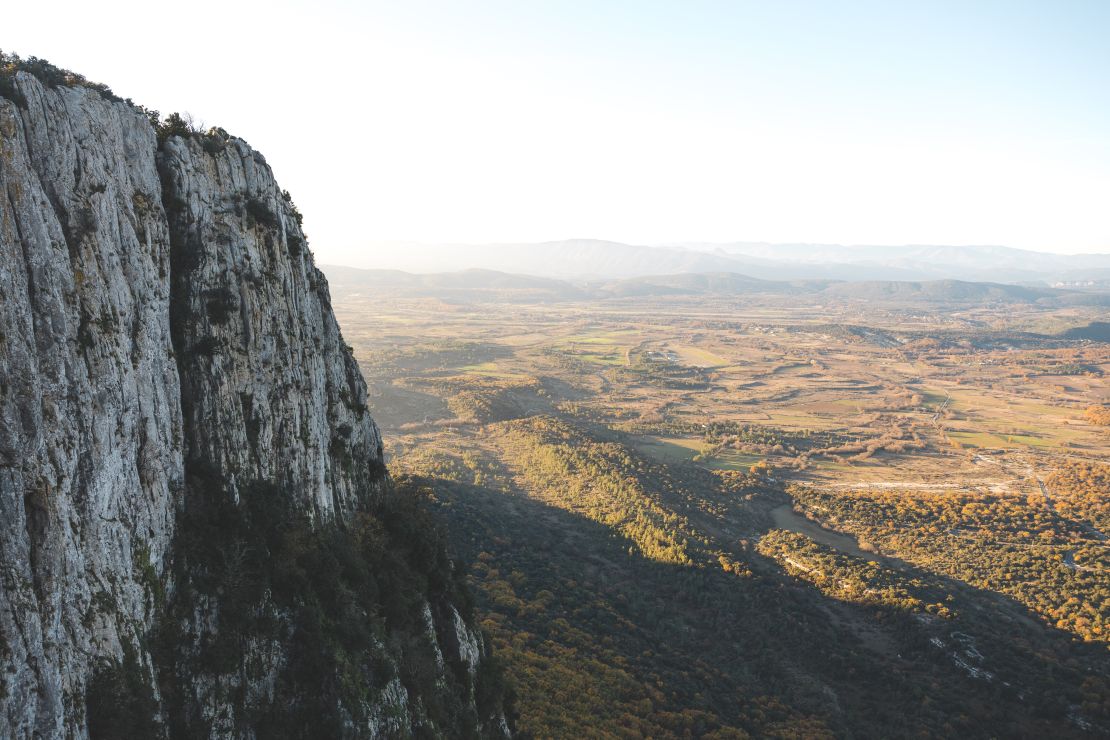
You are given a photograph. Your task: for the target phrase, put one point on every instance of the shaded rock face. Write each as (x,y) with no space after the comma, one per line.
(166,347)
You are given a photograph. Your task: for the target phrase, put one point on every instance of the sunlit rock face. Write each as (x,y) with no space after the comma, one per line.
(166,344)
(269,390)
(91,440)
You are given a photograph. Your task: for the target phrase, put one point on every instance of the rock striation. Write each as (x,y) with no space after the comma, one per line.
(198,536)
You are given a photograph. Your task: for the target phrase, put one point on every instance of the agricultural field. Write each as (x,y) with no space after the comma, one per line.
(899,513)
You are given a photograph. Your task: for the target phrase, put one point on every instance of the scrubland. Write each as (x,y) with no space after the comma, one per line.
(742,517)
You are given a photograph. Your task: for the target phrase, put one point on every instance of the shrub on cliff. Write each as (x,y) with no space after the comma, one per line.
(120,702)
(174,125)
(47,74)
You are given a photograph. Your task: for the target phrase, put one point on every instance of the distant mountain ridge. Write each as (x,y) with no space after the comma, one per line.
(973,262)
(491,285)
(941,290)
(593,259)
(468,284)
(569,259)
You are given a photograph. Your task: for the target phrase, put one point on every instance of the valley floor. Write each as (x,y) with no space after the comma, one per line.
(737,518)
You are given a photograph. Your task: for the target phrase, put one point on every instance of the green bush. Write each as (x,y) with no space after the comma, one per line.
(174,125)
(120,701)
(345,599)
(47,74)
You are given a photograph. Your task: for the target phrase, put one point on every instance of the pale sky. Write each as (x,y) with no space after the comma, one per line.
(644,122)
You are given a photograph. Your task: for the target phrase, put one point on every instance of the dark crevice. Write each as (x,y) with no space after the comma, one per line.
(36,520)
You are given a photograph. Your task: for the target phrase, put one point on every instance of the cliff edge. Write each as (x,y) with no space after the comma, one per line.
(198,536)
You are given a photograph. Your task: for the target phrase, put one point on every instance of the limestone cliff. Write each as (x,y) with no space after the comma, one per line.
(197,533)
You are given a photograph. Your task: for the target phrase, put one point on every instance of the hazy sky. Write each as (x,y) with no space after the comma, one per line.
(647,122)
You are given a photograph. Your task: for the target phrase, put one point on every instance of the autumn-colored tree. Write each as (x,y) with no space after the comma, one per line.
(1099,415)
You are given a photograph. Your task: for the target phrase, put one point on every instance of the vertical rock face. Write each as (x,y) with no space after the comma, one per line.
(269,390)
(90,420)
(197,534)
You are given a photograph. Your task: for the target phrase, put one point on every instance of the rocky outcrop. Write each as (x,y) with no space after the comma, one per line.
(197,532)
(269,390)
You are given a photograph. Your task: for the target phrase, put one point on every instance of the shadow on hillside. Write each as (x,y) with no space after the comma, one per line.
(758,652)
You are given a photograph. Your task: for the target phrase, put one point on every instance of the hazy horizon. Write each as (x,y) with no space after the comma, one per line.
(648,123)
(699,245)
(587,259)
